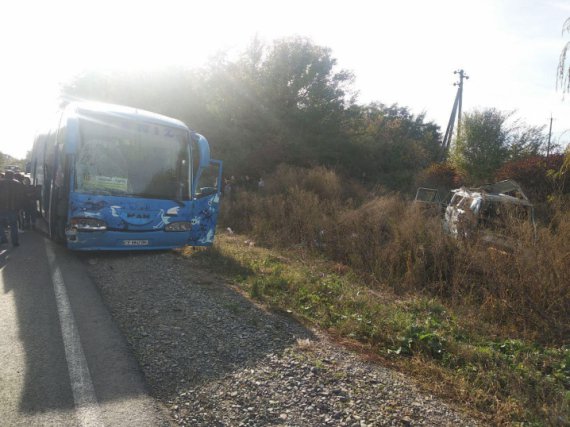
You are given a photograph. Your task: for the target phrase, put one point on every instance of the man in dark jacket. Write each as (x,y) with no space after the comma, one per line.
(29,205)
(11,201)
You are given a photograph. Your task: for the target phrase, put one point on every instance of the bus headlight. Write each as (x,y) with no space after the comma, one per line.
(88,224)
(178,226)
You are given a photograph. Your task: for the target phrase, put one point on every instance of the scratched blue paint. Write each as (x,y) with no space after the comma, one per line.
(142,219)
(205,215)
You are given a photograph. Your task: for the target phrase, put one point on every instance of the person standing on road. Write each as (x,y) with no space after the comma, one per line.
(11,201)
(20,178)
(29,205)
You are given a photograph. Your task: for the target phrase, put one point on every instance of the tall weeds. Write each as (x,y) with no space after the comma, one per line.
(393,242)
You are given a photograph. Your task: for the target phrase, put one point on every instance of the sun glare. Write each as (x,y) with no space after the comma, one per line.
(402,52)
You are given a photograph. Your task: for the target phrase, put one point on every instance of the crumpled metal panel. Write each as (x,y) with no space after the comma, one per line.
(144,219)
(204,217)
(127,213)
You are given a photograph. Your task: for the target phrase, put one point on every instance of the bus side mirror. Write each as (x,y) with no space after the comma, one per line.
(204,165)
(203,150)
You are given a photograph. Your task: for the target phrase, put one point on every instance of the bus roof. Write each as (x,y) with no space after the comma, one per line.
(86,107)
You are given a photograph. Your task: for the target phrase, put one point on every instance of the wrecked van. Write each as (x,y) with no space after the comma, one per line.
(486,211)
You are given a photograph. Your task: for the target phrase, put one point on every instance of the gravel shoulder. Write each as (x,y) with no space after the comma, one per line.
(214,357)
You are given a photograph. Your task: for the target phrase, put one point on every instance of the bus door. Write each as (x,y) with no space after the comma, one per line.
(206,190)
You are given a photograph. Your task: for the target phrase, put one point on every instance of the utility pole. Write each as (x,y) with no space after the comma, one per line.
(549,137)
(462,76)
(457,104)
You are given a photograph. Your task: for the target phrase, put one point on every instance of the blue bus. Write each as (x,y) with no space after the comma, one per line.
(111,177)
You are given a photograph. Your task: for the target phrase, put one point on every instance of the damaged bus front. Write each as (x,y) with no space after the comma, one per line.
(118,178)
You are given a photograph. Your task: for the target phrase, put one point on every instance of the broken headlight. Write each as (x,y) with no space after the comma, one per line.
(88,224)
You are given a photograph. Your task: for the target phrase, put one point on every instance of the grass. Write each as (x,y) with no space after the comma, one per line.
(522,293)
(447,349)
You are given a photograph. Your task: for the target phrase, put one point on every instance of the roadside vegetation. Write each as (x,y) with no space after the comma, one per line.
(401,245)
(482,326)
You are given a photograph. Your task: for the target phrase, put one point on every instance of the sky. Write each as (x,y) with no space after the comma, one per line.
(401,51)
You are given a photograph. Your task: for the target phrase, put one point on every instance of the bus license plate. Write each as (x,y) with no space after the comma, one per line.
(135,242)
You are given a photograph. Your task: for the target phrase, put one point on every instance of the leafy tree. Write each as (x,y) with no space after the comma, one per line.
(563,74)
(306,94)
(488,139)
(391,144)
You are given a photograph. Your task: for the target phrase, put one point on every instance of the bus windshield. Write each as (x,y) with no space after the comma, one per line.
(120,157)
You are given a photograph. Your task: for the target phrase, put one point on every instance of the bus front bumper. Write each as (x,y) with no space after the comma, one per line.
(126,241)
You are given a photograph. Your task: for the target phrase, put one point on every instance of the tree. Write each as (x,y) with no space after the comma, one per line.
(563,74)
(488,139)
(308,96)
(390,145)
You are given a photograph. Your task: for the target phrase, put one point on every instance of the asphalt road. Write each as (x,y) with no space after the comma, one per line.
(63,361)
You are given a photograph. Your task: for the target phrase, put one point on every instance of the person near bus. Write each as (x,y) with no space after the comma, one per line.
(11,201)
(20,178)
(29,205)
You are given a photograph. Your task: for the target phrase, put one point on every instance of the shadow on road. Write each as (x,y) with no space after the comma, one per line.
(25,275)
(31,307)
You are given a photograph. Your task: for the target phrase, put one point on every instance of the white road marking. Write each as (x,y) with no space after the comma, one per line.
(84,397)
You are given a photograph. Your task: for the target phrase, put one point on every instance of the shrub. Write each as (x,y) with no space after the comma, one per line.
(295,208)
(324,183)
(536,175)
(391,240)
(524,290)
(441,176)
